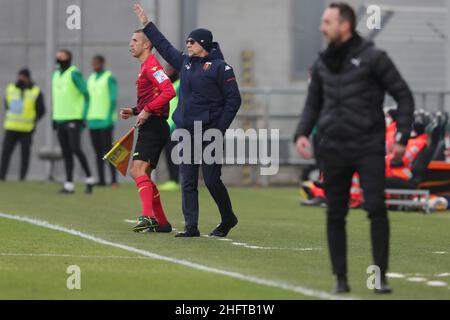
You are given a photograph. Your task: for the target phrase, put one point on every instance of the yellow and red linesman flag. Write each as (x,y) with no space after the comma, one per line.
(120,153)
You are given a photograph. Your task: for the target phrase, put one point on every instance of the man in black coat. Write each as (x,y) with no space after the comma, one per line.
(345,101)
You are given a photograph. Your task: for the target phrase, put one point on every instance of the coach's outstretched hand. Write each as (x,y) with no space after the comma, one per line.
(140,12)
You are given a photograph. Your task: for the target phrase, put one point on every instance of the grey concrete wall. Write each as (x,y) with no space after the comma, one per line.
(264,26)
(106,29)
(448,48)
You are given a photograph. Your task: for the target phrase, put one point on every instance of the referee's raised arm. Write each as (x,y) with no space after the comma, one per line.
(173,56)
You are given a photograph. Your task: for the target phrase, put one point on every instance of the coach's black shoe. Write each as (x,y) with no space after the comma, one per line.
(223,228)
(90,182)
(89,188)
(341,286)
(384,288)
(189,232)
(145,223)
(163,228)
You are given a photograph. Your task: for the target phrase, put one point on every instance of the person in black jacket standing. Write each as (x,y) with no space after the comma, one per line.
(345,101)
(208,93)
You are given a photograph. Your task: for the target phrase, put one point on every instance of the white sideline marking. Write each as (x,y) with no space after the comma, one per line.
(440,252)
(437,283)
(445,274)
(242,244)
(7,254)
(395,275)
(279,248)
(245,245)
(236,275)
(417,279)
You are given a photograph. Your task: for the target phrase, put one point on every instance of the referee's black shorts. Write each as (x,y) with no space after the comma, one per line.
(153,136)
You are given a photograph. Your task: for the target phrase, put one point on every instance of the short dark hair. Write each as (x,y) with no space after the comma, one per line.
(67,52)
(141,31)
(99,57)
(145,36)
(25,72)
(346,13)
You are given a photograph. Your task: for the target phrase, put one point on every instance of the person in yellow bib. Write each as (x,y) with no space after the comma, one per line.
(70,107)
(24,104)
(102,115)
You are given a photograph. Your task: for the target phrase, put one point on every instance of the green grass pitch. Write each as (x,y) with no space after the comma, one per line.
(276,240)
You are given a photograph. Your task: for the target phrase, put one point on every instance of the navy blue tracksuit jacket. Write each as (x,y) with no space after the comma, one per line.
(208,93)
(208,87)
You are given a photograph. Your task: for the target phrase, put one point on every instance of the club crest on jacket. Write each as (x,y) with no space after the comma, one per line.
(207,66)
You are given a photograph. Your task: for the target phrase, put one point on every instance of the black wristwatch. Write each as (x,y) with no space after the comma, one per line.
(135,112)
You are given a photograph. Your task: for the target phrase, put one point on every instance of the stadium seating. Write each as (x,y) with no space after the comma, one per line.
(406,194)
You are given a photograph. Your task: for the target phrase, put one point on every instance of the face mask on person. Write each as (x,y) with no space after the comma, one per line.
(63,64)
(21,84)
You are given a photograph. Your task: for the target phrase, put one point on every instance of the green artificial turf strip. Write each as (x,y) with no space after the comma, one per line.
(277,240)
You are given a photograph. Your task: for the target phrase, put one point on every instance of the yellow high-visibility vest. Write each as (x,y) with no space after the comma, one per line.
(21,113)
(99,96)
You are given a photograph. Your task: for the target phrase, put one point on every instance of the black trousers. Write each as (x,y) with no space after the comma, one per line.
(69,136)
(9,143)
(174,171)
(212,177)
(337,180)
(189,192)
(102,141)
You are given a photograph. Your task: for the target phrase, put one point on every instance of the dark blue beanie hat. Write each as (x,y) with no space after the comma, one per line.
(204,37)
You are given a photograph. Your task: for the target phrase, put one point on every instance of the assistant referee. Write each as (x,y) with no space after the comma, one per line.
(154,92)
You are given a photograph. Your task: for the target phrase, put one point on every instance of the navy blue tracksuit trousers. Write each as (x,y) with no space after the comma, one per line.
(189,183)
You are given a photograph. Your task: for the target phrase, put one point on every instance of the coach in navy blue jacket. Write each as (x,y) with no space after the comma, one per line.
(208,93)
